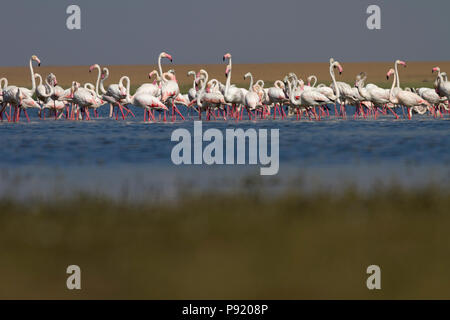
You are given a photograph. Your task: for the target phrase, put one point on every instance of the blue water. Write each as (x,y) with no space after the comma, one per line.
(103,153)
(423,140)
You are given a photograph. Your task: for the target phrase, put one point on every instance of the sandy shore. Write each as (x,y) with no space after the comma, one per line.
(416,72)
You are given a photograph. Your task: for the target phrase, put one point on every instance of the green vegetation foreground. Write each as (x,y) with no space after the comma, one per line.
(241,245)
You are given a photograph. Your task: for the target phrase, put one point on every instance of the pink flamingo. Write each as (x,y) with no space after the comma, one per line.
(403,97)
(169,88)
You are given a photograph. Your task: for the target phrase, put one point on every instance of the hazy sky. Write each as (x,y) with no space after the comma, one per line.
(201,31)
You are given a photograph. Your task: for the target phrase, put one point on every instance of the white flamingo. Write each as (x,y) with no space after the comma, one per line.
(232,94)
(346,93)
(403,97)
(252,100)
(153,88)
(43,91)
(144,100)
(169,88)
(207,101)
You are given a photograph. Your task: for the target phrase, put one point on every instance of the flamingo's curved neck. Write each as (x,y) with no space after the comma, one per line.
(250,88)
(227,84)
(315,81)
(260,83)
(102,88)
(360,85)
(334,80)
(441,78)
(160,69)
(49,88)
(38,76)
(202,90)
(193,81)
(128,84)
(33,81)
(291,96)
(98,80)
(396,75)
(277,84)
(391,92)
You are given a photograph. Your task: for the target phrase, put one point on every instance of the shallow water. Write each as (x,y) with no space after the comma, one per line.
(104,154)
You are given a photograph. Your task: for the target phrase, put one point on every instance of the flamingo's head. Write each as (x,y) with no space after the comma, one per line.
(226,56)
(389,73)
(166,55)
(171,74)
(51,78)
(93,67)
(151,74)
(35,58)
(75,86)
(403,63)
(105,73)
(437,69)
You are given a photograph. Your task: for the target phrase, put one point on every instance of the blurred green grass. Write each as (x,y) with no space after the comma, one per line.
(239,245)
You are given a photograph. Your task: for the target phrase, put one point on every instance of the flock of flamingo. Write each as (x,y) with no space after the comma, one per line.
(288,97)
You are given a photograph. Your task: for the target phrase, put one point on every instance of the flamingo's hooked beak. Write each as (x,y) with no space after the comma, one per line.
(227,70)
(388,74)
(403,63)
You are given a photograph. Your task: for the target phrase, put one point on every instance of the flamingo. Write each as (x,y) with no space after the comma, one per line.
(232,94)
(192,92)
(346,94)
(3,85)
(252,100)
(402,97)
(10,93)
(151,88)
(43,92)
(443,86)
(114,93)
(29,92)
(169,88)
(277,97)
(84,98)
(306,99)
(144,100)
(207,100)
